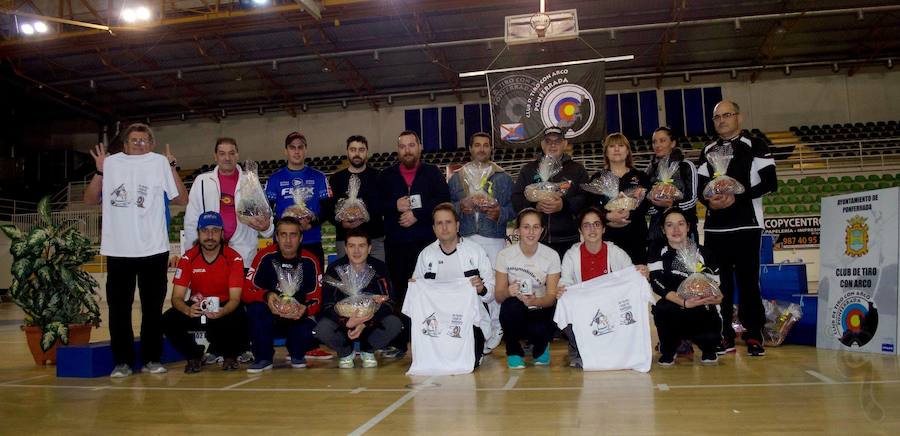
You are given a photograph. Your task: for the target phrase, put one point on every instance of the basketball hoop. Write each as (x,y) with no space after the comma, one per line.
(540,22)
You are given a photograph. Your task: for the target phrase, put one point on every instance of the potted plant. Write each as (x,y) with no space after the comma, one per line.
(58,297)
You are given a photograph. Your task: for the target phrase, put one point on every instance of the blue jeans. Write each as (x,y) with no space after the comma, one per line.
(264,325)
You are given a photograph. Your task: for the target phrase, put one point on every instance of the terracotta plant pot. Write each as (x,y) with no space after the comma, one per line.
(79,334)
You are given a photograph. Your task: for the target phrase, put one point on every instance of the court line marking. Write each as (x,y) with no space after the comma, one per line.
(662,387)
(22,380)
(820,376)
(511,383)
(388,410)
(446,389)
(240,383)
(357,390)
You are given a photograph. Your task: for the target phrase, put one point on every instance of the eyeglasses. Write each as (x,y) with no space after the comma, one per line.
(596,224)
(724,116)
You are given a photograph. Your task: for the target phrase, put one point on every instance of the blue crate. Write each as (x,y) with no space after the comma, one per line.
(782,280)
(95,359)
(766,249)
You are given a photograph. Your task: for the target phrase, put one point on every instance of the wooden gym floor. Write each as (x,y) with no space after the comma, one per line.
(793,389)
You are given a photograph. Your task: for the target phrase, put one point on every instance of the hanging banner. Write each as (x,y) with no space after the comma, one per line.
(794,232)
(525,102)
(858,276)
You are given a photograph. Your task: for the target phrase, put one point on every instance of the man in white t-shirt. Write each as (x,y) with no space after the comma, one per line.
(450,258)
(131,187)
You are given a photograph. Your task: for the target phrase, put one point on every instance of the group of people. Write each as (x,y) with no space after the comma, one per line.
(421,229)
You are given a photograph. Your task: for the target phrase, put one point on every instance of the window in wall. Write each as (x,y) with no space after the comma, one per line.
(436,126)
(689,110)
(634,114)
(476,118)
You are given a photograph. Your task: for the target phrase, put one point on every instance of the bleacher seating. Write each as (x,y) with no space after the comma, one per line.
(849,139)
(798,196)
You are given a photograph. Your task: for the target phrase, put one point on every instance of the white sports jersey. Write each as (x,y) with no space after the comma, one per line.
(442,314)
(609,316)
(534,270)
(134,211)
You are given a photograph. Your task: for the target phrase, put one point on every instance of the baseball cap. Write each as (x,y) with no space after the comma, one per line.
(210,219)
(553,130)
(295,135)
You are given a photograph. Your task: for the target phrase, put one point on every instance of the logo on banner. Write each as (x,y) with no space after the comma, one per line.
(570,107)
(856,238)
(854,319)
(512,132)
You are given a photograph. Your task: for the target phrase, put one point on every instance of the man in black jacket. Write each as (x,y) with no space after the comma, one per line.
(372,332)
(358,157)
(410,189)
(560,213)
(734,223)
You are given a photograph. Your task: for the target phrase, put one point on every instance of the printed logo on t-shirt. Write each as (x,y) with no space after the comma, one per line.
(625,313)
(199,270)
(600,324)
(431,326)
(119,197)
(227,199)
(455,326)
(178,273)
(143,190)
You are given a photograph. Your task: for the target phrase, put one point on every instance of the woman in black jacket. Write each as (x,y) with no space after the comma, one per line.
(696,319)
(626,229)
(664,145)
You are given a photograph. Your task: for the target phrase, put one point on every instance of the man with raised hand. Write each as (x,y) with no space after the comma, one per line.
(132,186)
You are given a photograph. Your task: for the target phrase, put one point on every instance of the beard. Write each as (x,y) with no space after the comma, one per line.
(357,162)
(409,160)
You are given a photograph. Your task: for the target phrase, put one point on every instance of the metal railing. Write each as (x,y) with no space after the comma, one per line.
(88,221)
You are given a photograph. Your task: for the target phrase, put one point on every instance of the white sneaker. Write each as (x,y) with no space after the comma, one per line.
(154,368)
(346,362)
(120,371)
(246,357)
(212,359)
(369,360)
(493,341)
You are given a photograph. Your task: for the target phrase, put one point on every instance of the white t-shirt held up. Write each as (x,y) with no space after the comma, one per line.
(442,315)
(610,319)
(134,211)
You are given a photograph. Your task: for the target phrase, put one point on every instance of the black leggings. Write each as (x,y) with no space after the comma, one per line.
(702,325)
(520,323)
(738,255)
(224,333)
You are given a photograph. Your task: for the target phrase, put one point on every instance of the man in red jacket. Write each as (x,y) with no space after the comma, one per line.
(274,271)
(214,274)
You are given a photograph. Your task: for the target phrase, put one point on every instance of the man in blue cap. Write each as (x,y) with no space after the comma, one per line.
(214,273)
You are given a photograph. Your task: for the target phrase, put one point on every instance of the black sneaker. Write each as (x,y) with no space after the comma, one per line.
(724,347)
(193,365)
(709,358)
(754,348)
(666,360)
(393,353)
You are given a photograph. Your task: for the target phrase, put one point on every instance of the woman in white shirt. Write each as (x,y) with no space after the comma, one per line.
(589,259)
(527,274)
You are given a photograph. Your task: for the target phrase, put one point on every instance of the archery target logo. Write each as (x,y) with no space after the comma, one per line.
(569,106)
(854,319)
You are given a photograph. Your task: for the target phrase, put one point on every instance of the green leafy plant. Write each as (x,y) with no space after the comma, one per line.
(47,280)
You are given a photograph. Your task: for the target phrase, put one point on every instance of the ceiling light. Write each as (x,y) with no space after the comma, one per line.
(275,65)
(737,25)
(129,15)
(835,67)
(890,64)
(733,74)
(390,99)
(687,77)
(859,15)
(27,29)
(40,27)
(635,81)
(142,13)
(344,104)
(260,2)
(376,56)
(304,107)
(787,70)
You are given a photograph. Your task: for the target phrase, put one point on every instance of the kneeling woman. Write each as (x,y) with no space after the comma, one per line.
(696,319)
(527,274)
(590,259)
(372,332)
